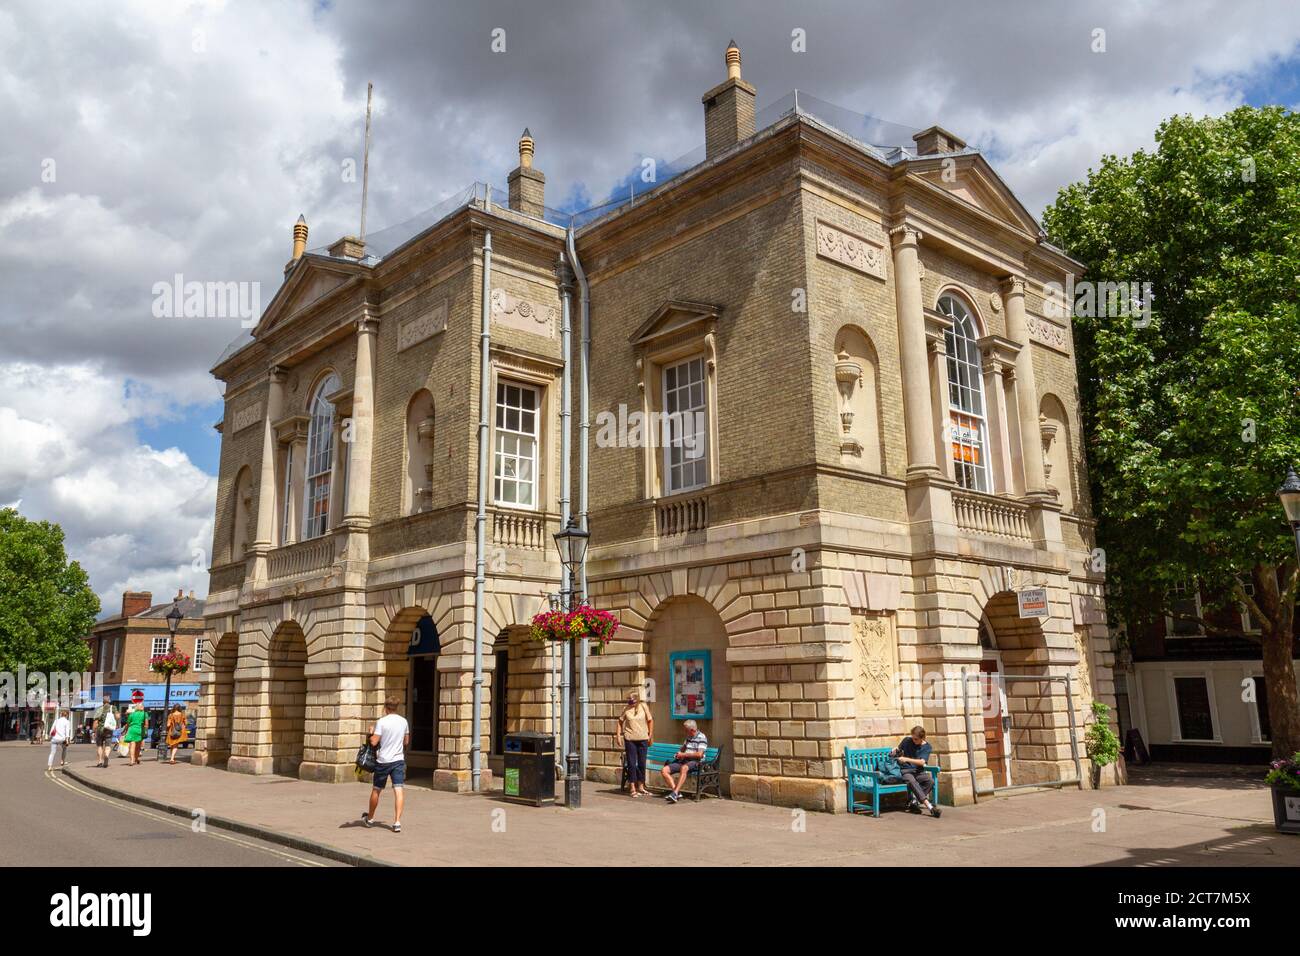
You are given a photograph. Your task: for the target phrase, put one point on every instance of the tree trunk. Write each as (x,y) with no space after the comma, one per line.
(1280,679)
(1276,600)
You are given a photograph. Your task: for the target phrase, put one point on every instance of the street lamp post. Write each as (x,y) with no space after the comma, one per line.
(174,617)
(571,542)
(1289,493)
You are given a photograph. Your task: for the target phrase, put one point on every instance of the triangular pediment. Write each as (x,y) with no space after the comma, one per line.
(307,284)
(972,180)
(672,317)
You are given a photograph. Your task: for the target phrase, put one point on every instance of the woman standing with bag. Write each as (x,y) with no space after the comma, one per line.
(636,731)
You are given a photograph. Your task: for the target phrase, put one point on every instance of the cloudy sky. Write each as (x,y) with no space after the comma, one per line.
(143,140)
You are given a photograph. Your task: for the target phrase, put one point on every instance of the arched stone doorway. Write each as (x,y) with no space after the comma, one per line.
(1026,722)
(687,632)
(219,702)
(409,671)
(286,663)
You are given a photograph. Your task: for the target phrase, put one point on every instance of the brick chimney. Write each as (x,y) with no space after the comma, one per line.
(728,109)
(527,185)
(133,602)
(936,139)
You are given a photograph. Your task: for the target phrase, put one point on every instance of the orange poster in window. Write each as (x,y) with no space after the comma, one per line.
(965,439)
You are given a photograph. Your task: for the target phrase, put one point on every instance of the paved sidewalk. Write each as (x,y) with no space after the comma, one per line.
(1160,821)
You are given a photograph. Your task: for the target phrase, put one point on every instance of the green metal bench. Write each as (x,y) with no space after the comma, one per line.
(862,770)
(707,776)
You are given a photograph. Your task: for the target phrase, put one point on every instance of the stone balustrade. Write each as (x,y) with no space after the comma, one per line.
(991,515)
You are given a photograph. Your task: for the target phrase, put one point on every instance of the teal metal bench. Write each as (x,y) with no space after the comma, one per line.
(707,776)
(861,768)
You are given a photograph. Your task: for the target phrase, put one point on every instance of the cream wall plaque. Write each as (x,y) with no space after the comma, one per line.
(246,416)
(875,664)
(417,328)
(864,255)
(524,315)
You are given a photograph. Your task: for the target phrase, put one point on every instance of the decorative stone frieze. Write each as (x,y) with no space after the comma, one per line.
(418,328)
(863,254)
(524,315)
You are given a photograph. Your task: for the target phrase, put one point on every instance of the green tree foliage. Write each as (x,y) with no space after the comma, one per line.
(46,605)
(1192,418)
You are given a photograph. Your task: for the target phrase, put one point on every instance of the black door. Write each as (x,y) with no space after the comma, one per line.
(424,703)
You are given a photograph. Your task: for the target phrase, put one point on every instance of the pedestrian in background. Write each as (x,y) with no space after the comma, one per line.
(177,732)
(105,723)
(137,722)
(390,736)
(635,733)
(60,732)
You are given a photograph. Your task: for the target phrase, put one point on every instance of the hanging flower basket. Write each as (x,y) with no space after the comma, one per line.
(173,662)
(582,621)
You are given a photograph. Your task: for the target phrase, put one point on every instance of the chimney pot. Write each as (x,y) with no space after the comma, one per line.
(728,109)
(526,186)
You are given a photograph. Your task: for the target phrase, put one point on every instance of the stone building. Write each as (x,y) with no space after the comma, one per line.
(873,447)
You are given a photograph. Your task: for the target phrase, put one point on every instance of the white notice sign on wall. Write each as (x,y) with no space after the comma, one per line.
(1033,602)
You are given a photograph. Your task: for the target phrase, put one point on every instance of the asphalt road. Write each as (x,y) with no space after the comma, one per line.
(49,820)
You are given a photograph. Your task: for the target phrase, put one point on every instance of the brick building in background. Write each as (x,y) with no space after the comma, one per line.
(120,648)
(885,448)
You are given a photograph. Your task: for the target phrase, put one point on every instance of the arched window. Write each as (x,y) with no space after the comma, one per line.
(320,460)
(965,397)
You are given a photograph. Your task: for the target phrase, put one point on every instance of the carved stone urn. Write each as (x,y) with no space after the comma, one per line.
(848,375)
(1047,429)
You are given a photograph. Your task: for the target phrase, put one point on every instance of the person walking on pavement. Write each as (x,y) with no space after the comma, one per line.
(137,722)
(177,732)
(60,732)
(390,736)
(104,725)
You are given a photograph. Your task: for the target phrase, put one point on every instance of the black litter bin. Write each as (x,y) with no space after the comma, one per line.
(530,768)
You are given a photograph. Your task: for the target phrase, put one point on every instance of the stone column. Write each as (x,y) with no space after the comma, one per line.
(912,348)
(265,539)
(1031,449)
(939,397)
(356,514)
(995,414)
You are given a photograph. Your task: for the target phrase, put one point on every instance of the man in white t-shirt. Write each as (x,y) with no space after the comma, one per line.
(390,736)
(105,724)
(60,734)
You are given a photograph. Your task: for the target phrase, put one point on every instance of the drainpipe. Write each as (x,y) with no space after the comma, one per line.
(565,276)
(480,518)
(584,429)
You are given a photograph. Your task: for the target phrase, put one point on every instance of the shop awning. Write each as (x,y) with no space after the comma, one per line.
(153,693)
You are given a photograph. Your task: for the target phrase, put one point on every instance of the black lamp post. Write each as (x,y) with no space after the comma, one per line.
(1289,494)
(571,542)
(174,617)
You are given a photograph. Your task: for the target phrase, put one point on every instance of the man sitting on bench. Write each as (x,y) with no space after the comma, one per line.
(912,753)
(686,761)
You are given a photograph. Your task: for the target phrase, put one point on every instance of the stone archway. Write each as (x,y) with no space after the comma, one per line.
(412,680)
(286,663)
(1037,742)
(219,702)
(681,624)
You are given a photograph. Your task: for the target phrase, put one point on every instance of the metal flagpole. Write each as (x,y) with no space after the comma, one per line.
(365,163)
